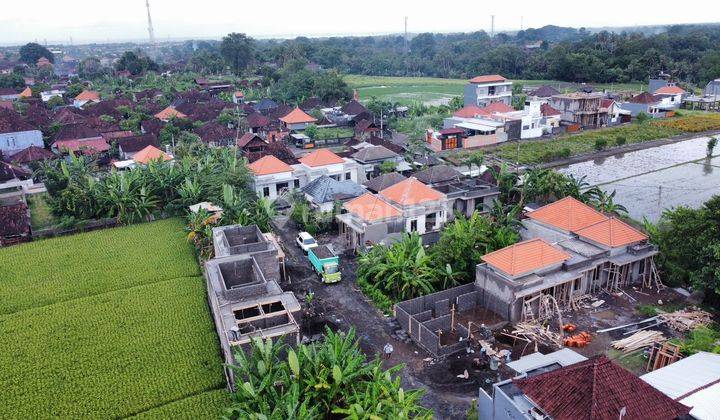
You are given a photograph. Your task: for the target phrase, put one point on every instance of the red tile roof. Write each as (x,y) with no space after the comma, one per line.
(247,138)
(371,208)
(151,153)
(321,157)
(548,111)
(469,111)
(31,154)
(567,214)
(498,108)
(670,90)
(644,98)
(297,116)
(612,232)
(168,113)
(488,78)
(269,164)
(597,389)
(410,192)
(26,93)
(525,257)
(88,147)
(88,95)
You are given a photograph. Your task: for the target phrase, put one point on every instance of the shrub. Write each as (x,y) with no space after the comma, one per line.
(600,144)
(620,140)
(642,117)
(379,298)
(565,153)
(647,310)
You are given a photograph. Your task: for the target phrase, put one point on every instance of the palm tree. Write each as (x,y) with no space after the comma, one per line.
(606,204)
(477,159)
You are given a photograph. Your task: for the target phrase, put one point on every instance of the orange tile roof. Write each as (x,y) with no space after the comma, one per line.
(269,164)
(525,257)
(26,93)
(469,111)
(488,78)
(498,107)
(321,157)
(669,90)
(612,232)
(239,94)
(298,116)
(372,208)
(88,95)
(150,153)
(168,113)
(410,192)
(567,214)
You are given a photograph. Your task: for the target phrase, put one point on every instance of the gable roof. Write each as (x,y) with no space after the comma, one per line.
(438,173)
(9,171)
(321,157)
(213,131)
(257,120)
(545,91)
(384,181)
(12,122)
(326,189)
(612,232)
(31,154)
(597,389)
(371,208)
(265,104)
(68,115)
(132,144)
(247,138)
(269,164)
(669,90)
(498,108)
(77,131)
(353,108)
(469,111)
(548,111)
(86,146)
(88,95)
(525,257)
(168,113)
(150,153)
(26,93)
(644,98)
(568,214)
(298,116)
(14,220)
(488,78)
(371,153)
(410,192)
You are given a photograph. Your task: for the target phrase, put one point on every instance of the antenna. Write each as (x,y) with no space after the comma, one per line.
(492,26)
(151,31)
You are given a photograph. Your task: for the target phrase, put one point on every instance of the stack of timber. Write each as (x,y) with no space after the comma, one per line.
(686,319)
(538,333)
(639,340)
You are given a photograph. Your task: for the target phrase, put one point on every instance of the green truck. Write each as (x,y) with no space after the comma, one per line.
(325,263)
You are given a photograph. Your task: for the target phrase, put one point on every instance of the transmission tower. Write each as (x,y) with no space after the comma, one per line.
(492,26)
(151,31)
(406,38)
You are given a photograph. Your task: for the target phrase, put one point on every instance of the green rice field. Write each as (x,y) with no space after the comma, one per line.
(108,324)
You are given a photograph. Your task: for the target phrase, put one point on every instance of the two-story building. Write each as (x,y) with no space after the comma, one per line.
(484,90)
(580,109)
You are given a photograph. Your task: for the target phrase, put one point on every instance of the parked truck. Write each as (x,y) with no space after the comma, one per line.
(325,263)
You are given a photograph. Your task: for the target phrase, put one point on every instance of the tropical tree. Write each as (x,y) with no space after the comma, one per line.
(237,50)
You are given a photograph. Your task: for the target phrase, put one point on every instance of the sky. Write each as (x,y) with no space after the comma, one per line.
(59,21)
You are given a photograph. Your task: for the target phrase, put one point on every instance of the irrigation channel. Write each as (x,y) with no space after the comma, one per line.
(651,180)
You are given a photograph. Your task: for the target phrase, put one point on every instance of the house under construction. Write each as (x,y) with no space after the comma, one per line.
(243,291)
(570,251)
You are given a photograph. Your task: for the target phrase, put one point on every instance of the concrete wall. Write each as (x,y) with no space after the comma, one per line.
(11,143)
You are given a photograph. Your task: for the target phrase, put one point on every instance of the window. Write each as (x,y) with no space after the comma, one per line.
(266,191)
(451,143)
(413,225)
(348,176)
(296,183)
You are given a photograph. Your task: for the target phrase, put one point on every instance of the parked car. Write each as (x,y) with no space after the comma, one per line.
(305,241)
(325,263)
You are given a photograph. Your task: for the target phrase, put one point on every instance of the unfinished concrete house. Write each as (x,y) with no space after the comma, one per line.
(243,291)
(583,109)
(569,251)
(442,322)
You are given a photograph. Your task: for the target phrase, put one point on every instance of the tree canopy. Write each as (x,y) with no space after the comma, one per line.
(237,50)
(31,52)
(136,63)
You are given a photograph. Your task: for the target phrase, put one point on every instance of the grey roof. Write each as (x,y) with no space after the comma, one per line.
(381,182)
(437,174)
(373,153)
(545,91)
(326,189)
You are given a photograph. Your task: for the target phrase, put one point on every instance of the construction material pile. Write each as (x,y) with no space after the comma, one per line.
(686,319)
(578,340)
(537,333)
(639,340)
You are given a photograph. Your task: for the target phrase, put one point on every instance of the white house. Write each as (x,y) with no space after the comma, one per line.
(484,90)
(16,134)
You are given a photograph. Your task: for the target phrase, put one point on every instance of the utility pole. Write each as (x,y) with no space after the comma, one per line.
(151,31)
(659,199)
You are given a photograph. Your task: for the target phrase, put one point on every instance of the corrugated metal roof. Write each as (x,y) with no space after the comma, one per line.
(564,357)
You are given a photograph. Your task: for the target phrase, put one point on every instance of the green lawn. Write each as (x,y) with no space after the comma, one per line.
(107,324)
(40,215)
